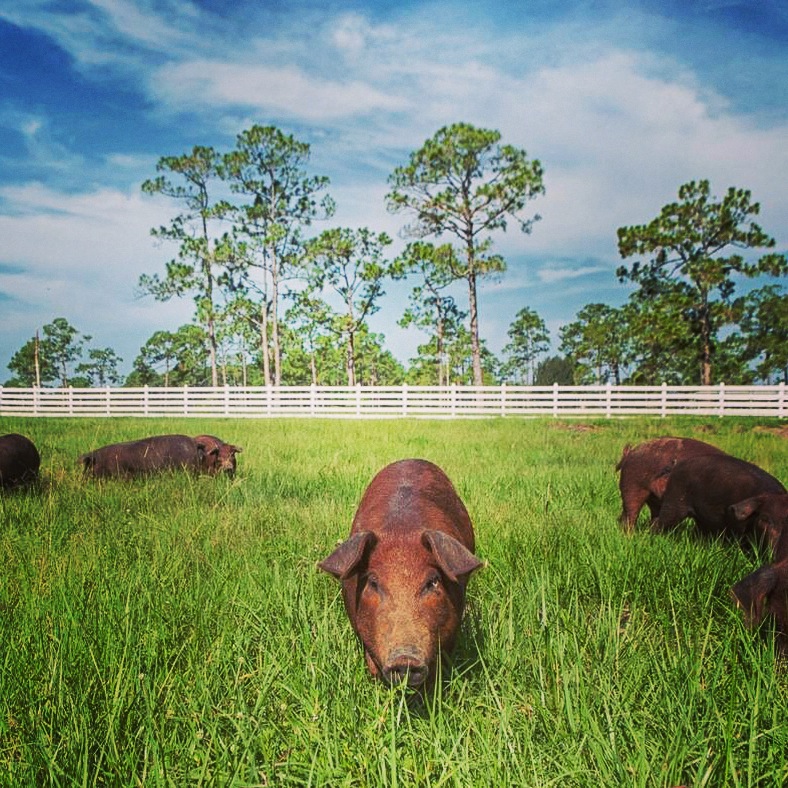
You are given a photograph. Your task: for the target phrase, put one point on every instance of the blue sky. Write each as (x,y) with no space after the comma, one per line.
(622,102)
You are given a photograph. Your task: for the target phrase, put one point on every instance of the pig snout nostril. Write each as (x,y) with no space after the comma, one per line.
(407,667)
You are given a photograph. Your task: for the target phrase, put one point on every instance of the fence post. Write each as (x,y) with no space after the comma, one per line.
(503,398)
(226,400)
(608,400)
(358,399)
(36,402)
(185,400)
(404,399)
(108,392)
(781,400)
(663,406)
(722,400)
(453,400)
(70,401)
(555,399)
(312,399)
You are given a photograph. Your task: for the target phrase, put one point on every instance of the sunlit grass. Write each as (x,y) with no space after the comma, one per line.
(174,630)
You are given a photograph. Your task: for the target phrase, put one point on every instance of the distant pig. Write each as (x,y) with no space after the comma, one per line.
(645,469)
(709,488)
(19,461)
(765,592)
(404,569)
(216,456)
(147,455)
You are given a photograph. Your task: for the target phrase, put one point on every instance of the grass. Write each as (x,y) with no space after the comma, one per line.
(174,630)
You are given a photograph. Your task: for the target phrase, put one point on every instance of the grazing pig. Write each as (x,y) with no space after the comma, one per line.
(644,473)
(148,455)
(765,591)
(404,569)
(216,455)
(19,461)
(709,488)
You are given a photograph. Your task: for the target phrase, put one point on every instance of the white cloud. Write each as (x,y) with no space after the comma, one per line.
(81,257)
(548,275)
(288,90)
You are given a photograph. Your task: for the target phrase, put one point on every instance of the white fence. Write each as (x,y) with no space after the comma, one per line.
(398,401)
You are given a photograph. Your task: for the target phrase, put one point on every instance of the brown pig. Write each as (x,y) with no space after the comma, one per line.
(404,569)
(709,488)
(216,455)
(147,455)
(19,460)
(645,469)
(765,592)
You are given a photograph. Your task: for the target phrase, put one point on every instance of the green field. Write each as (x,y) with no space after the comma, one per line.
(175,631)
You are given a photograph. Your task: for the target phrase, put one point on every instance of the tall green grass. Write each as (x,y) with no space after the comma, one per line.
(174,630)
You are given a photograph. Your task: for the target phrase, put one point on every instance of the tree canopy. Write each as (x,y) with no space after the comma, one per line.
(464,183)
(697,242)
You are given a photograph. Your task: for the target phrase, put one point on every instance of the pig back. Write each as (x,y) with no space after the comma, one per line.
(410,496)
(19,460)
(147,455)
(707,487)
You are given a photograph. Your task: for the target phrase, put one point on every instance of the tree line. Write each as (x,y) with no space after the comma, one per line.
(279,303)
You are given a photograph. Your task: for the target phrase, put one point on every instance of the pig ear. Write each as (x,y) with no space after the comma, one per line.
(236,449)
(743,509)
(202,447)
(454,559)
(344,560)
(752,593)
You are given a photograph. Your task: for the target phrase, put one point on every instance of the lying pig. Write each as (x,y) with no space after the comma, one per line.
(216,455)
(19,460)
(404,569)
(765,592)
(644,473)
(708,488)
(148,455)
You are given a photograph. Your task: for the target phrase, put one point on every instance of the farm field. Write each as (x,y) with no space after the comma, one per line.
(174,630)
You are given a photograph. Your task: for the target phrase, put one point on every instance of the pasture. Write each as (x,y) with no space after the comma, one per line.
(175,631)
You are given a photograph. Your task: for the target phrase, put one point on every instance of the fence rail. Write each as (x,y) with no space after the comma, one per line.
(398,401)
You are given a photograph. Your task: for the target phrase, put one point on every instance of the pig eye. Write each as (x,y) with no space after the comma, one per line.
(433,583)
(371,582)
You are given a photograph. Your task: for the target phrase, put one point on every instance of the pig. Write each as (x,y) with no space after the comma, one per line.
(147,455)
(216,455)
(765,592)
(404,569)
(709,488)
(19,461)
(644,473)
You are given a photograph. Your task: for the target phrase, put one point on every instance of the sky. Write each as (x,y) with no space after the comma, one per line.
(621,102)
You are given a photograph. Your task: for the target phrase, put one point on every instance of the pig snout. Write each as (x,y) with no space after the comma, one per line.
(405,664)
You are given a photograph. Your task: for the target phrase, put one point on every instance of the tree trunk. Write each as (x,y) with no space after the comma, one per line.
(275,320)
(351,360)
(212,352)
(37,362)
(439,346)
(705,332)
(209,320)
(264,344)
(476,356)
